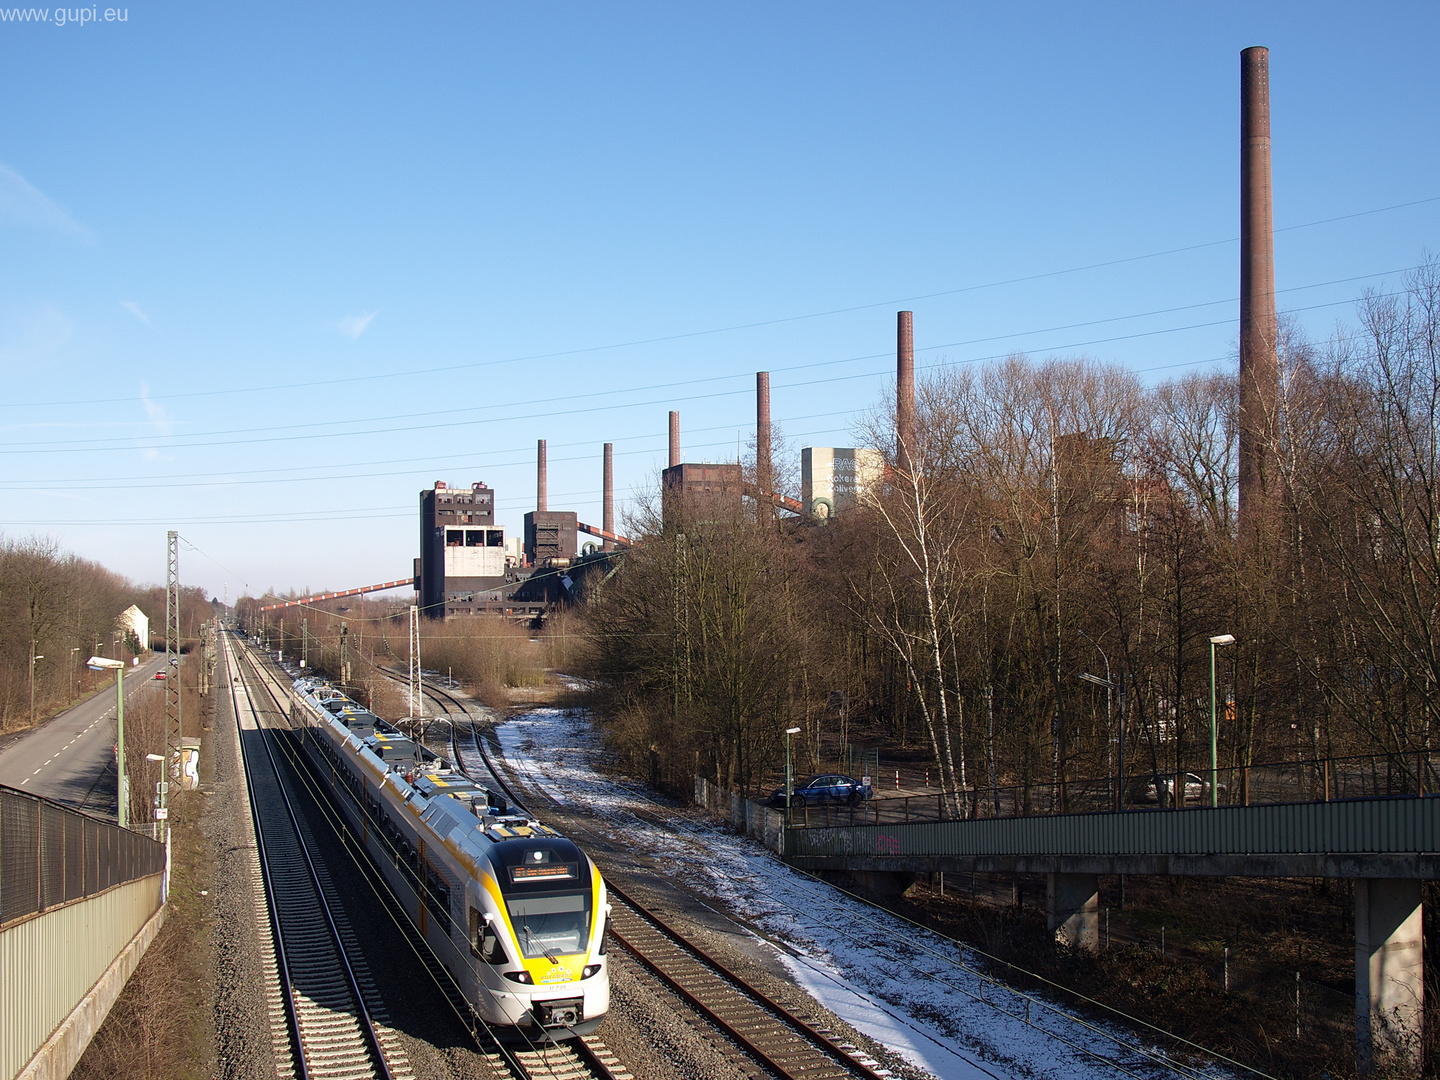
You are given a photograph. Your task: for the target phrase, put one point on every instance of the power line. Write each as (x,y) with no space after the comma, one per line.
(110,445)
(431,414)
(115,483)
(1000,283)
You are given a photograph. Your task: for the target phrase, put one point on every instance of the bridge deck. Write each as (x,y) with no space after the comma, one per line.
(1360,838)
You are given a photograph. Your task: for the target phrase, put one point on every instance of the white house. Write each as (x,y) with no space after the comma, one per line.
(133,620)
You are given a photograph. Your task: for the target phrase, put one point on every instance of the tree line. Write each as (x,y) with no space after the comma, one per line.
(62,609)
(1055,519)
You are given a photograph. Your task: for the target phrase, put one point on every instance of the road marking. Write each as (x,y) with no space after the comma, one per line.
(37,771)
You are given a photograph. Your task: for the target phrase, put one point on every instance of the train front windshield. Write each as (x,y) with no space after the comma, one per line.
(550,926)
(548,894)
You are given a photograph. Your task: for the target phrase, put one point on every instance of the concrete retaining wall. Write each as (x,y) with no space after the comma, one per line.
(745,815)
(82,952)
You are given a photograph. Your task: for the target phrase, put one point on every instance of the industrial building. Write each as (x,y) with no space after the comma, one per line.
(700,486)
(550,537)
(833,478)
(462,550)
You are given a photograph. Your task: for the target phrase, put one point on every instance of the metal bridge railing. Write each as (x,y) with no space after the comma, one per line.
(1369,776)
(51,855)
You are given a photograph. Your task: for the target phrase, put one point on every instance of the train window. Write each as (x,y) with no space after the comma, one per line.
(437,892)
(551,925)
(484,942)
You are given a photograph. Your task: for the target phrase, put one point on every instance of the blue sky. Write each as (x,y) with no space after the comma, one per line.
(268,270)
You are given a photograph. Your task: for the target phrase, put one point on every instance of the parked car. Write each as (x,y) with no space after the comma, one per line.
(1197,789)
(826,789)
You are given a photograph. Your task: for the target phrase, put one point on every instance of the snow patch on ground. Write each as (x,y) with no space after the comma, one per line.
(902,985)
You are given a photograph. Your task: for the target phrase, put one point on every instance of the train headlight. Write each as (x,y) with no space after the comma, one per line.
(590,969)
(519,976)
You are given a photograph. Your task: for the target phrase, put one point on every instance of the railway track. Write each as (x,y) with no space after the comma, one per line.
(332,1030)
(780,1041)
(582,1059)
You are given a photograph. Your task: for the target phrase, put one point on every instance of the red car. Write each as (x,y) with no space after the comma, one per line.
(160,675)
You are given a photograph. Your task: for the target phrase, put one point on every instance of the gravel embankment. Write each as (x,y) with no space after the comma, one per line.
(243,1047)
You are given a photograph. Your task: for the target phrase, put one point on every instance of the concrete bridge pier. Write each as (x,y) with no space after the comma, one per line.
(1389,975)
(1072,910)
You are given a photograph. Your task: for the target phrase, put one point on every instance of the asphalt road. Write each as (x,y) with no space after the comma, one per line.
(70,757)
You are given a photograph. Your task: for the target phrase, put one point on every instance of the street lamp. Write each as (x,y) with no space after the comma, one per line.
(789,776)
(1218,639)
(100,663)
(71,663)
(34,656)
(1119,689)
(1109,728)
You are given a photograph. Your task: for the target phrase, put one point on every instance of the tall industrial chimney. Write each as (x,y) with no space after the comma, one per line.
(540,479)
(1259,370)
(674,439)
(607,487)
(764,475)
(904,389)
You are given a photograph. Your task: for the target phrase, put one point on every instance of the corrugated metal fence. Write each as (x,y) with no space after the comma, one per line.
(74,891)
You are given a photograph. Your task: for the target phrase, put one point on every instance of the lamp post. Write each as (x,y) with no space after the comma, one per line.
(34,656)
(1109,693)
(72,670)
(1119,688)
(99,663)
(789,776)
(1218,639)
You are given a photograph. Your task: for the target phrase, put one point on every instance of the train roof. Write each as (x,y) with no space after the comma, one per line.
(449,803)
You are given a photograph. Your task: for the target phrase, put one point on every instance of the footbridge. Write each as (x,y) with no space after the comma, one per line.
(80,900)
(1387,846)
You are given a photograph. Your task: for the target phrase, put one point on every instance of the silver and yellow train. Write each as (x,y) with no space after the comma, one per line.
(516,912)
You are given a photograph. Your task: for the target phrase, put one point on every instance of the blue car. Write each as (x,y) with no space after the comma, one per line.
(827,789)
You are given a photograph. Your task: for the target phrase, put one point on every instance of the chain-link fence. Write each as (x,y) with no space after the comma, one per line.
(50,855)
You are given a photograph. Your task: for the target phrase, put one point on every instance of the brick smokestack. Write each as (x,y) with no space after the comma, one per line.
(607,511)
(904,389)
(764,474)
(1259,370)
(674,439)
(540,478)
